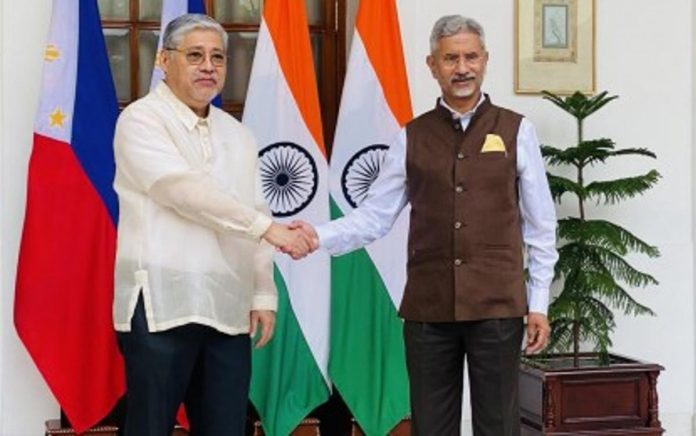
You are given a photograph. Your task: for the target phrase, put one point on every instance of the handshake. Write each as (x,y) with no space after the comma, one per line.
(297,239)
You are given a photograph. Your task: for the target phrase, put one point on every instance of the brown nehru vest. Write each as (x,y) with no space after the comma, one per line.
(465,240)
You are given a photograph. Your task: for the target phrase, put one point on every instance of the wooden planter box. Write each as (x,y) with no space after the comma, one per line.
(54,428)
(559,400)
(308,427)
(402,429)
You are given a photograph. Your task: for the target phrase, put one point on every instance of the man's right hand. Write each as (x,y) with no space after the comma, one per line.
(290,240)
(538,331)
(309,232)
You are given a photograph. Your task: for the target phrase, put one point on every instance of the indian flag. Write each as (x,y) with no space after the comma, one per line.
(289,375)
(367,362)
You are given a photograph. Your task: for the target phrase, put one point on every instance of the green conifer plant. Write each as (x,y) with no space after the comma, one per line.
(592,267)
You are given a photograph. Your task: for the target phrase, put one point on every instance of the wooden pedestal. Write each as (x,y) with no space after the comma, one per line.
(619,399)
(402,429)
(308,427)
(53,428)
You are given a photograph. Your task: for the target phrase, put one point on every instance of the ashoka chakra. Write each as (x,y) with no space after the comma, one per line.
(288,178)
(361,171)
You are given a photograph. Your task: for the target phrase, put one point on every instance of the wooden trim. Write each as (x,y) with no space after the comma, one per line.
(332,66)
(653,409)
(134,32)
(119,24)
(328,70)
(134,10)
(341,57)
(241,27)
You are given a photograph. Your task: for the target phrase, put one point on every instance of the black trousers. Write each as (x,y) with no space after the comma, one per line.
(207,370)
(435,354)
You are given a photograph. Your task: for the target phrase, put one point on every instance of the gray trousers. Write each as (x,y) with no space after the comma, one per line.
(435,354)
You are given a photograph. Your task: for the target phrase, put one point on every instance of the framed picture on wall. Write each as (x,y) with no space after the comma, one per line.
(555,46)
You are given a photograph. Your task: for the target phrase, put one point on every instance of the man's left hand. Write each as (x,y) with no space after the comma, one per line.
(537,332)
(267,320)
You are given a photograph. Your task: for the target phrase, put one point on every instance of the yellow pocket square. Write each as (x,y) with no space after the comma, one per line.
(493,143)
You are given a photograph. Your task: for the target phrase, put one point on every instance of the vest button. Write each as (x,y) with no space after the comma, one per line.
(457,125)
(457,225)
(457,262)
(459,189)
(460,155)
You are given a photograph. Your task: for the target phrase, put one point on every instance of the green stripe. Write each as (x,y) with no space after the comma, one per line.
(367,361)
(286,383)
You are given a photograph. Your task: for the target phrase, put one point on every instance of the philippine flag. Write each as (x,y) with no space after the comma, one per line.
(64,287)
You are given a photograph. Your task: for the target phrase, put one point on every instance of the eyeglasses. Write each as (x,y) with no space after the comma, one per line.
(452,60)
(197,56)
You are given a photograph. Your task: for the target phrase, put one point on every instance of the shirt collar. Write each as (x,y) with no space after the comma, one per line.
(185,114)
(458,115)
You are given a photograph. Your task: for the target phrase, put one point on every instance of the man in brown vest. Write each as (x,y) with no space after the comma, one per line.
(473,175)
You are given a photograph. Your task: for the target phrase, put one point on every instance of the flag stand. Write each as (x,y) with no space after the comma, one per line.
(115,418)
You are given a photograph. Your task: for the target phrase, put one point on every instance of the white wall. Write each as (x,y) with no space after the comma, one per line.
(2,269)
(648,60)
(645,55)
(693,158)
(652,71)
(25,401)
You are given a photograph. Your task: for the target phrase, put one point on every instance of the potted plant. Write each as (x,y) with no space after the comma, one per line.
(591,392)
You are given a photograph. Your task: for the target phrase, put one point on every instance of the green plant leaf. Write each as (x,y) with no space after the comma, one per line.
(634,151)
(603,286)
(578,104)
(561,337)
(612,191)
(579,155)
(597,259)
(560,185)
(596,102)
(604,234)
(591,265)
(556,156)
(557,100)
(590,271)
(589,152)
(598,324)
(594,150)
(620,269)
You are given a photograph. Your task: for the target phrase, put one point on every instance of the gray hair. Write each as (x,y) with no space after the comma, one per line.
(183,24)
(451,25)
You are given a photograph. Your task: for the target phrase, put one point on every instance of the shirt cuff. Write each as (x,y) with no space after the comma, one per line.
(265,302)
(329,239)
(323,235)
(260,226)
(538,300)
